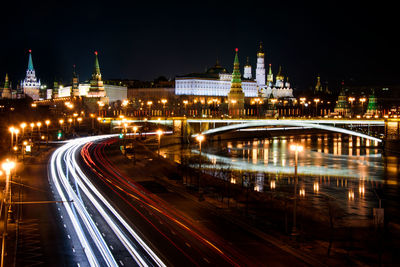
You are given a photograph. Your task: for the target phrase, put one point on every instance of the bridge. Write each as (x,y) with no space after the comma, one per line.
(193,126)
(302,124)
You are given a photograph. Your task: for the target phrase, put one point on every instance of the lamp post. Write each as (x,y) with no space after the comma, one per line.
(79,122)
(47,122)
(159,133)
(185,102)
(302,102)
(12,136)
(23,125)
(164,101)
(149,103)
(316,100)
(61,121)
(296,148)
(200,139)
(32,128)
(7,167)
(362,100)
(38,125)
(134,131)
(93,116)
(70,123)
(16,131)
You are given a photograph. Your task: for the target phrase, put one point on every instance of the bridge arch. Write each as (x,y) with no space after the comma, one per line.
(286,123)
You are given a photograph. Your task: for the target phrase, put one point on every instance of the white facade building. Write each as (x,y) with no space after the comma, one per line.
(211,87)
(113,92)
(216,81)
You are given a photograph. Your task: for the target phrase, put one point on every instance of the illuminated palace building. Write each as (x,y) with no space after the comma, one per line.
(216,82)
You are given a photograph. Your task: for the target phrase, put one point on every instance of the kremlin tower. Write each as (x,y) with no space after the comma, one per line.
(260,70)
(247,70)
(270,76)
(96,88)
(75,82)
(236,95)
(30,85)
(6,93)
(318,87)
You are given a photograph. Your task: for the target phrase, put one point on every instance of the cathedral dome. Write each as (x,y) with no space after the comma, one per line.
(216,69)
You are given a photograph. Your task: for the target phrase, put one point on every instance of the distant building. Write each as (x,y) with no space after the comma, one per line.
(216,81)
(31,85)
(95,88)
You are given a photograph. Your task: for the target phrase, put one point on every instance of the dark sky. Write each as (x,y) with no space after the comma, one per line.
(143,40)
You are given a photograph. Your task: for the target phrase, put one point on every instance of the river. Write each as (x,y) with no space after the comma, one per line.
(351,170)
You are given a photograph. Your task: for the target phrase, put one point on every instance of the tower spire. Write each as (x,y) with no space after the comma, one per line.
(96,65)
(30,62)
(270,76)
(236,95)
(96,88)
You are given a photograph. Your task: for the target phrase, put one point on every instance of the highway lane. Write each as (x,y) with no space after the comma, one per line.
(173,235)
(101,236)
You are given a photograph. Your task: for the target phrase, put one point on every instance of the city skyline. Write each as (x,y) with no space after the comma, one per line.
(338,42)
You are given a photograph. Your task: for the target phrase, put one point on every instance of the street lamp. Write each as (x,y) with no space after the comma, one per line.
(164,101)
(362,100)
(93,116)
(23,125)
(61,121)
(32,128)
(12,129)
(316,100)
(185,102)
(7,166)
(296,148)
(149,103)
(200,139)
(79,122)
(159,133)
(302,102)
(38,125)
(134,131)
(16,131)
(47,122)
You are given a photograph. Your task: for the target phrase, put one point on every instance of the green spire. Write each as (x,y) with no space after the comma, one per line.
(270,70)
(30,63)
(96,65)
(6,83)
(236,76)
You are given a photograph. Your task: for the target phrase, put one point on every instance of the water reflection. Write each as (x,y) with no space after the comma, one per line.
(345,169)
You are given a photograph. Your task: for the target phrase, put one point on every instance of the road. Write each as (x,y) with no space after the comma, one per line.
(101,236)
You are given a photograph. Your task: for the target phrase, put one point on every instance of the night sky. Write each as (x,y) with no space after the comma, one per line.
(143,40)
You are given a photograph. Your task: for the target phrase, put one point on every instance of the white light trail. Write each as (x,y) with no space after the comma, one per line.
(62,163)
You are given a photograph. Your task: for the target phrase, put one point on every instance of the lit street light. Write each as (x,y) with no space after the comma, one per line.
(164,101)
(47,122)
(32,128)
(296,148)
(200,139)
(316,100)
(23,125)
(12,136)
(7,166)
(38,125)
(159,133)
